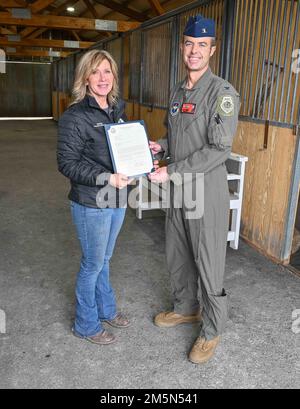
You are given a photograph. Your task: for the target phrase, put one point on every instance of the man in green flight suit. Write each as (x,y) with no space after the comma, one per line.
(202,121)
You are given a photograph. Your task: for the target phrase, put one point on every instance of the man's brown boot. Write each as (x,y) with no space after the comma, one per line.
(203,350)
(171,319)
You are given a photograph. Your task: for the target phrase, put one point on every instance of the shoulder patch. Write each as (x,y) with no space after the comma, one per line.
(225,105)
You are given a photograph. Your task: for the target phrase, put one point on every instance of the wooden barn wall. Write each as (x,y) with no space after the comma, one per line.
(267,184)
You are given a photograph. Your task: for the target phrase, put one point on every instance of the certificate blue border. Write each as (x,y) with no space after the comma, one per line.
(107,128)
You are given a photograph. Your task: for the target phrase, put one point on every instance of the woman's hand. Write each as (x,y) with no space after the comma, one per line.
(119,180)
(156,164)
(155,147)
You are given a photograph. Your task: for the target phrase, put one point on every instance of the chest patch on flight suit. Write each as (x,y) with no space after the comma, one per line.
(225,105)
(175,108)
(188,108)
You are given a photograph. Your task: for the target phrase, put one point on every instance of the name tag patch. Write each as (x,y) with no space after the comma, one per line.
(188,108)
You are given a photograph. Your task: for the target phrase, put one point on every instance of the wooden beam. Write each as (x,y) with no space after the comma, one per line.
(91,9)
(37,33)
(72,23)
(40,5)
(94,13)
(6,31)
(103,34)
(12,30)
(37,53)
(45,43)
(63,7)
(12,4)
(22,3)
(75,35)
(157,7)
(29,30)
(120,8)
(168,4)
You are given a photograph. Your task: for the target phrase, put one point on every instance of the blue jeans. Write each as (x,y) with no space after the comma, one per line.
(97,231)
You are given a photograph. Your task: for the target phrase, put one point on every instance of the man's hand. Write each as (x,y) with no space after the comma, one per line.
(119,180)
(159,176)
(155,147)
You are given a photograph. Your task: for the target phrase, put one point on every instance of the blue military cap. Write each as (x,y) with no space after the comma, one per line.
(199,26)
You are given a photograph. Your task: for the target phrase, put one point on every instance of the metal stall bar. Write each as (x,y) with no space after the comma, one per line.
(227,38)
(245,60)
(142,68)
(285,59)
(258,71)
(248,84)
(174,50)
(291,71)
(255,23)
(296,87)
(294,98)
(241,48)
(275,60)
(257,108)
(265,91)
(135,46)
(286,2)
(235,54)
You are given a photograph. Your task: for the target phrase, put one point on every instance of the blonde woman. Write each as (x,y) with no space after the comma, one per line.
(83,157)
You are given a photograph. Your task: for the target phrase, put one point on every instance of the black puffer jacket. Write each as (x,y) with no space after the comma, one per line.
(82,150)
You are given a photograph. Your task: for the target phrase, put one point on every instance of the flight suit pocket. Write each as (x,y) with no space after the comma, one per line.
(219,135)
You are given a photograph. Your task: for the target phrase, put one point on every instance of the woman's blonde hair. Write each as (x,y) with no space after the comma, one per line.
(87,64)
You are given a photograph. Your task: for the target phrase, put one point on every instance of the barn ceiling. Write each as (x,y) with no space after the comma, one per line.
(42,29)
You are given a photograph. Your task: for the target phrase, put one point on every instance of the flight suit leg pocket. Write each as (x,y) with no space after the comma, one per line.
(217,312)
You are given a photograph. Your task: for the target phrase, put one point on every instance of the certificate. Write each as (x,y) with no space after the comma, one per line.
(129,148)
